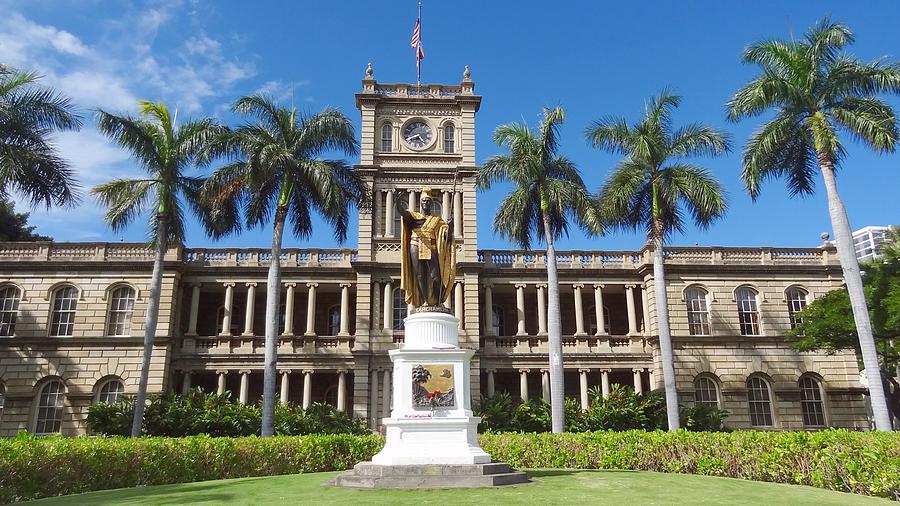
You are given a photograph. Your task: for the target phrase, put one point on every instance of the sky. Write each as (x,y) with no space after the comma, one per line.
(592,58)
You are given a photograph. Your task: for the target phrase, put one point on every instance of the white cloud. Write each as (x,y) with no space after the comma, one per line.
(93,89)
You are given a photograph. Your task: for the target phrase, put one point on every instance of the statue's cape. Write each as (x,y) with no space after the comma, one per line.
(446,253)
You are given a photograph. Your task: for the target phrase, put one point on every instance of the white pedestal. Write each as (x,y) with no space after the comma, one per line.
(421,434)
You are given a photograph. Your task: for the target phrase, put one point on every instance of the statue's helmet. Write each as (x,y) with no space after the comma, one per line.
(427,193)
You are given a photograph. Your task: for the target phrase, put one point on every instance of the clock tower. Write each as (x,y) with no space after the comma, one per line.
(413,137)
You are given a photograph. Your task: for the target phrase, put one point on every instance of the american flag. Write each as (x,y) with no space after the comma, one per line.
(416,41)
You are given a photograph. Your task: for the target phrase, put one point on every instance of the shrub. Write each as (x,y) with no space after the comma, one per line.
(215,415)
(703,418)
(860,462)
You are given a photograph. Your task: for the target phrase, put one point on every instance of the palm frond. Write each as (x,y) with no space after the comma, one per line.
(781,147)
(124,200)
(700,192)
(869,120)
(699,140)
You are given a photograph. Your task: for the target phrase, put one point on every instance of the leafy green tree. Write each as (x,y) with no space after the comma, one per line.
(548,193)
(14,226)
(816,91)
(165,151)
(277,175)
(29,164)
(650,188)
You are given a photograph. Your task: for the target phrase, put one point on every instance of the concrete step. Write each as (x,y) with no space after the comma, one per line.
(369,469)
(368,475)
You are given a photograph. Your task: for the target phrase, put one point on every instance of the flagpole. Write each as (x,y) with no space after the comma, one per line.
(418,60)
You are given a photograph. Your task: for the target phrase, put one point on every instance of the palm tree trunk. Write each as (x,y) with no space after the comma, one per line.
(846,253)
(150,324)
(273,296)
(665,337)
(554,336)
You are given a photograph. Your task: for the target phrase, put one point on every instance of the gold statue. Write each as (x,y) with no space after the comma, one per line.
(427,254)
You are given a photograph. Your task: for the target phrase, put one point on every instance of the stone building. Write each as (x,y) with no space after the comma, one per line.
(71,314)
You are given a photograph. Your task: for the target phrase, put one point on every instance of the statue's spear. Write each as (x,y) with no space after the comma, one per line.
(453,198)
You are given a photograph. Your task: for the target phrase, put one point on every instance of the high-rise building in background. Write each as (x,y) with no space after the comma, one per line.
(866,241)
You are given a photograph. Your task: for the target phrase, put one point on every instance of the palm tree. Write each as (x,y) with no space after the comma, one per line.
(650,187)
(29,164)
(278,176)
(165,151)
(815,90)
(548,194)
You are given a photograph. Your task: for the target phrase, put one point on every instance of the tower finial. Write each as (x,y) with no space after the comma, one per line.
(467,73)
(369,71)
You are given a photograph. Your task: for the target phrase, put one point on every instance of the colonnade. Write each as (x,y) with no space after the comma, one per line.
(583,374)
(388,229)
(243,391)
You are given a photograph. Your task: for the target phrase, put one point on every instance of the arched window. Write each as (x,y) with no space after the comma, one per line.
(449,139)
(499,323)
(697,313)
(9,309)
(748,313)
(796,301)
(399,309)
(592,318)
(387,138)
(48,419)
(706,391)
(334,320)
(759,399)
(110,392)
(62,320)
(811,402)
(121,307)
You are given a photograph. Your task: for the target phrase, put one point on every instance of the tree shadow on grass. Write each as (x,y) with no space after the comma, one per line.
(213,492)
(540,473)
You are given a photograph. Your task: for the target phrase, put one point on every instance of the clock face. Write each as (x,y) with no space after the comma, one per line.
(417,134)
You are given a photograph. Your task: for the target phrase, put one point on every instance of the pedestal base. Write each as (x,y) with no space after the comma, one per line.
(429,441)
(369,475)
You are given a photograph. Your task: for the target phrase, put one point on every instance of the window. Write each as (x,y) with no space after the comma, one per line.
(698,316)
(9,310)
(387,138)
(50,408)
(811,402)
(62,321)
(796,301)
(592,316)
(706,391)
(760,402)
(399,309)
(449,139)
(121,308)
(334,320)
(748,315)
(110,392)
(498,323)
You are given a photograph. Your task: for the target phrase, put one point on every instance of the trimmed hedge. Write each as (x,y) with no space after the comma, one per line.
(860,462)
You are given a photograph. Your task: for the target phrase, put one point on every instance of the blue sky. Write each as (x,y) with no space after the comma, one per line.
(591,58)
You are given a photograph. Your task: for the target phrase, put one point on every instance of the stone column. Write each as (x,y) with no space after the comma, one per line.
(389,214)
(220,388)
(445,205)
(311,309)
(652,379)
(604,382)
(345,309)
(542,309)
(307,389)
(598,310)
(195,308)
(632,316)
(245,387)
(285,386)
(520,309)
(386,393)
(583,383)
(458,215)
(226,314)
(342,391)
(251,306)
(645,306)
(523,384)
(490,383)
(545,385)
(388,316)
(289,310)
(488,310)
(579,310)
(186,383)
(638,384)
(373,399)
(411,200)
(458,302)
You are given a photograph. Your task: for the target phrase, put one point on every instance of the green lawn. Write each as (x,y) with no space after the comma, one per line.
(550,487)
